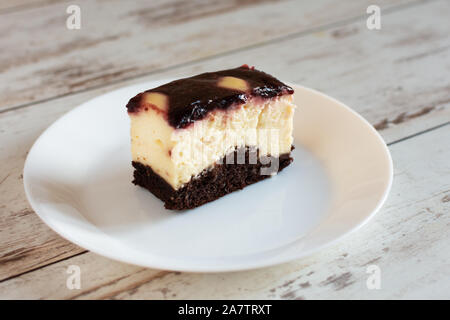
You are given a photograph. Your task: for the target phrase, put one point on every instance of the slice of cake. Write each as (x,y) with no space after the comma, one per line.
(197,139)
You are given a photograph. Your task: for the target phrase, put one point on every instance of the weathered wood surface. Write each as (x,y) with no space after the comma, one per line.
(407,240)
(398,78)
(374,101)
(40,58)
(18,5)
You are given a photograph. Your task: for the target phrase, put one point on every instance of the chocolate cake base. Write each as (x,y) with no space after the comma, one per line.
(210,185)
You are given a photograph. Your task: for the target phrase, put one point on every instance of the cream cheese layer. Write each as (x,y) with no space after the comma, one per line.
(178,155)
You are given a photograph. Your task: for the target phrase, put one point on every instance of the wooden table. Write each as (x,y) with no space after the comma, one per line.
(397,77)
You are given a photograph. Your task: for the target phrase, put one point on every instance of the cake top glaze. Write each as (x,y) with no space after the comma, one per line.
(187,100)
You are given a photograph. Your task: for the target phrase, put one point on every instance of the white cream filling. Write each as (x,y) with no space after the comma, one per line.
(177,155)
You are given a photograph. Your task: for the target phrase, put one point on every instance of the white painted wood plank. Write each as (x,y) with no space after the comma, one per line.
(27,243)
(407,240)
(40,58)
(17,5)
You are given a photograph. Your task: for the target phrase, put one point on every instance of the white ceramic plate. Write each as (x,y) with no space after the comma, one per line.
(78,176)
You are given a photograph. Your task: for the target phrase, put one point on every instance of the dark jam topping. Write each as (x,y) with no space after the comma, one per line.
(135,103)
(191,99)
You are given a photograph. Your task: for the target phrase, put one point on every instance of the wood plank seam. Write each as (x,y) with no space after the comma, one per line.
(275,40)
(419,133)
(44,265)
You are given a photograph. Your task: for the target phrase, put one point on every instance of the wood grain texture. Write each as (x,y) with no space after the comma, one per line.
(371,88)
(410,232)
(398,78)
(8,6)
(40,58)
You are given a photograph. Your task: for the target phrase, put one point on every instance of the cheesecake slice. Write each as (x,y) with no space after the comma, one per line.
(197,139)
